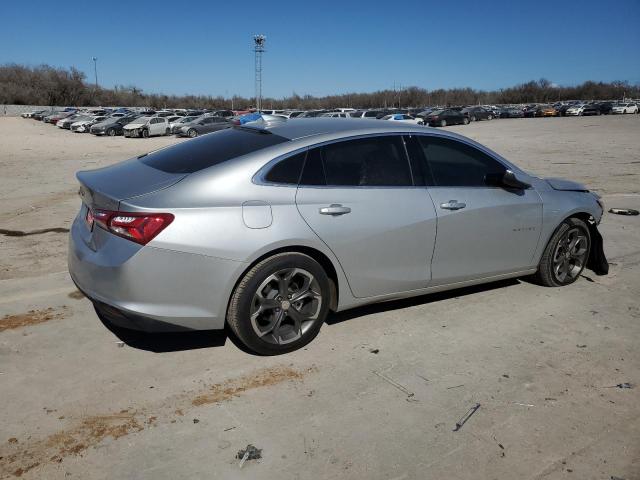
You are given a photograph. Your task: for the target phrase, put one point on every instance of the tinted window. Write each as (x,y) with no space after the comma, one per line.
(287,171)
(313,173)
(373,161)
(455,164)
(209,150)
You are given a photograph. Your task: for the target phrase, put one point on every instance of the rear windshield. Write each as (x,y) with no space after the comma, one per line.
(212,149)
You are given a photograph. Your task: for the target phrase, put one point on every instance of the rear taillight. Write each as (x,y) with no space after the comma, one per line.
(137,227)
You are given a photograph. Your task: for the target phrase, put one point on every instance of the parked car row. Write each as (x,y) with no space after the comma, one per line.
(129,123)
(192,123)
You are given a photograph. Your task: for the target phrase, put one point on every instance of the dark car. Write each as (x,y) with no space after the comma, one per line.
(112,126)
(477,113)
(204,125)
(442,118)
(591,109)
(511,113)
(605,108)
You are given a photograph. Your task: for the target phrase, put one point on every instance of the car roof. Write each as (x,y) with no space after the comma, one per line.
(296,128)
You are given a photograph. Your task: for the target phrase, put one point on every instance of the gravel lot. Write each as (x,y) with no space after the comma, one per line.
(375,396)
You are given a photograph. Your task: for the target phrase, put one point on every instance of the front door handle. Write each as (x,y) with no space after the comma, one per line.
(334,209)
(453,205)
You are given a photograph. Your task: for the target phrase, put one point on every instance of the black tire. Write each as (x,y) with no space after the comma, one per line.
(546,274)
(490,117)
(145,133)
(111,132)
(244,296)
(192,133)
(443,123)
(472,119)
(465,121)
(167,131)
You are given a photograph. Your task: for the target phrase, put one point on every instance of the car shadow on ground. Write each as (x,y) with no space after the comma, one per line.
(180,341)
(335,318)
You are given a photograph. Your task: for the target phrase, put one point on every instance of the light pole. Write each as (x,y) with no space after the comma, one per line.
(258,48)
(95,69)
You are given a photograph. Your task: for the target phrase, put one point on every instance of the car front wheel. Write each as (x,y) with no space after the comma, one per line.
(443,123)
(192,133)
(566,254)
(280,304)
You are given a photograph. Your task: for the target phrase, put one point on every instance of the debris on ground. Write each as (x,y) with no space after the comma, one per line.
(456,386)
(120,344)
(466,417)
(621,385)
(374,350)
(410,395)
(249,453)
(624,211)
(195,420)
(581,346)
(524,404)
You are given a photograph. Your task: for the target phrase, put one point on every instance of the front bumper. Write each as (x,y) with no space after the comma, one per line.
(149,288)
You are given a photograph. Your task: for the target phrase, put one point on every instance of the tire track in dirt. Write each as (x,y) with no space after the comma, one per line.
(19,457)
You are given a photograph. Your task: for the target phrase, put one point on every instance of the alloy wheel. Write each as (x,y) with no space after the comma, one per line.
(570,255)
(285,306)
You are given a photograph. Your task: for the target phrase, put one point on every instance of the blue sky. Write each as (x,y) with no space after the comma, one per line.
(325,47)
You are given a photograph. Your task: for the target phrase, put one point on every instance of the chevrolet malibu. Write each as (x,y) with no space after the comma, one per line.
(268,227)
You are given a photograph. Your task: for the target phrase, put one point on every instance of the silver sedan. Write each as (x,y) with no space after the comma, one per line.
(268,227)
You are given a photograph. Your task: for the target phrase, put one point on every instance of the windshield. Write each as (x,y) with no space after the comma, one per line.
(436,112)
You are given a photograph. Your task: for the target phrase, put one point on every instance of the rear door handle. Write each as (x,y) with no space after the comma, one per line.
(453,205)
(334,209)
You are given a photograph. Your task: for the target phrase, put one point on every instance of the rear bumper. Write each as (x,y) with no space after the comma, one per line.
(148,288)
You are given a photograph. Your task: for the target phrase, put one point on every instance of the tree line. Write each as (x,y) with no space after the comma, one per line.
(47,85)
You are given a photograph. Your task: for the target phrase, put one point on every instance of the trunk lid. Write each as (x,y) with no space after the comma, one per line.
(105,188)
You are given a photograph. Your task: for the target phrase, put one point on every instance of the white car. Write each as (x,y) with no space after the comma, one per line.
(336,115)
(147,127)
(625,108)
(576,110)
(83,125)
(404,118)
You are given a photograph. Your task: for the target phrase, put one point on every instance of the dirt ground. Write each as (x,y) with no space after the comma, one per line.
(376,396)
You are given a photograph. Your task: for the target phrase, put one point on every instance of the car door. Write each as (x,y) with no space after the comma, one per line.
(483,229)
(359,197)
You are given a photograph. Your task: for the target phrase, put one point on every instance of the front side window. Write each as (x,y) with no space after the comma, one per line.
(456,164)
(364,162)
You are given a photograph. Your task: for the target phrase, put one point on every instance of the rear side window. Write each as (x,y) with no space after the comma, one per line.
(287,171)
(208,150)
(373,162)
(455,164)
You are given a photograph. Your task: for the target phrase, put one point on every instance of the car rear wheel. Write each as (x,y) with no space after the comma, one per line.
(566,254)
(473,119)
(192,133)
(465,121)
(167,132)
(490,117)
(111,132)
(443,123)
(280,304)
(145,133)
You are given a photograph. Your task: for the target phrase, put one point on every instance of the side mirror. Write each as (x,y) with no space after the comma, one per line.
(507,179)
(510,180)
